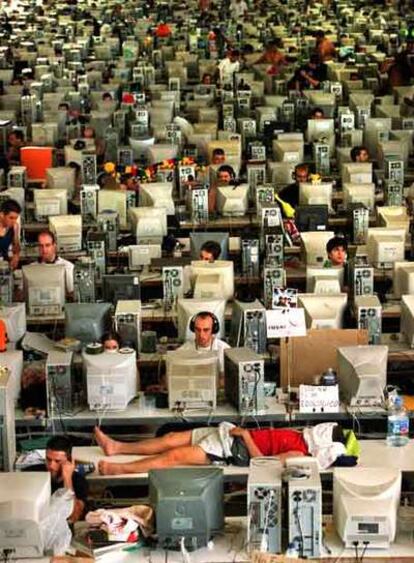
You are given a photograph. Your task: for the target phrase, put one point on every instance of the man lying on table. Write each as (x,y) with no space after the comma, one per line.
(203,446)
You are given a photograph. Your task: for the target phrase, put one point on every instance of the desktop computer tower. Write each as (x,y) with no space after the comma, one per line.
(248,326)
(360,223)
(6,284)
(59,383)
(128,323)
(250,258)
(96,248)
(89,202)
(321,158)
(17,177)
(88,168)
(368,313)
(7,424)
(84,280)
(273,247)
(273,277)
(394,169)
(264,505)
(108,222)
(393,193)
(172,282)
(361,278)
(304,508)
(198,203)
(244,380)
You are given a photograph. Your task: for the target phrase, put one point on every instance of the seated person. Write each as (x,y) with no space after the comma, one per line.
(226,176)
(110,341)
(290,193)
(202,446)
(359,154)
(210,251)
(47,246)
(309,76)
(337,249)
(61,467)
(317,113)
(218,156)
(205,326)
(16,142)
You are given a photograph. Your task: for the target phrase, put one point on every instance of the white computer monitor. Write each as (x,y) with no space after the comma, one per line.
(394,217)
(140,255)
(157,194)
(68,232)
(320,128)
(232,200)
(403,279)
(192,378)
(45,289)
(149,224)
(114,200)
(362,374)
(314,244)
(50,202)
(188,308)
(61,177)
(323,311)
(24,503)
(315,194)
(15,318)
(158,152)
(213,279)
(385,246)
(111,379)
(359,193)
(13,361)
(324,280)
(140,147)
(365,504)
(373,128)
(288,151)
(357,173)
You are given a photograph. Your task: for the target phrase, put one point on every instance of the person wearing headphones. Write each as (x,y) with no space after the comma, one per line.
(205,327)
(46,242)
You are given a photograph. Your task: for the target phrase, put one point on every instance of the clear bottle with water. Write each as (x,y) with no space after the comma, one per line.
(398,424)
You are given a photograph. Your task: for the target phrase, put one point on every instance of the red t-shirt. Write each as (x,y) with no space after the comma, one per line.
(275,441)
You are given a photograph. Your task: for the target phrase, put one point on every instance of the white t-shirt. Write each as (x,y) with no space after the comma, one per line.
(217,346)
(227,69)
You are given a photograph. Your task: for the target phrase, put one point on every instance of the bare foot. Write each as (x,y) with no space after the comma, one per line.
(108,468)
(109,446)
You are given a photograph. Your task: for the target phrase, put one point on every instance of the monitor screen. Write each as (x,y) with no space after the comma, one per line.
(120,287)
(188,503)
(198,239)
(87,322)
(312,217)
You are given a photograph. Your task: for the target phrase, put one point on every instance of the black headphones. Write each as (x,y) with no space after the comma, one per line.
(216,324)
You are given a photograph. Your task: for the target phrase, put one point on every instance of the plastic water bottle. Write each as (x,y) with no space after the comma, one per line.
(292,551)
(398,424)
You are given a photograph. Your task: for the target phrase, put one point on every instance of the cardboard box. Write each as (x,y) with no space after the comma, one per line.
(303,357)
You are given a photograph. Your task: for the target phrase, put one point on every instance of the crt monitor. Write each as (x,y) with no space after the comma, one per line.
(314,244)
(114,200)
(403,279)
(140,255)
(120,287)
(188,503)
(213,278)
(149,224)
(188,308)
(24,503)
(357,173)
(87,322)
(111,378)
(45,289)
(323,311)
(232,200)
(324,280)
(61,177)
(320,128)
(365,505)
(312,217)
(198,239)
(362,374)
(50,202)
(157,194)
(315,194)
(359,193)
(385,246)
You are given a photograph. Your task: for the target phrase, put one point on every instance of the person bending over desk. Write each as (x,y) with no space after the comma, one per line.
(203,446)
(10,212)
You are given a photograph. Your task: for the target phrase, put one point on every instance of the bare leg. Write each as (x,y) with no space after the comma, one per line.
(186,455)
(150,446)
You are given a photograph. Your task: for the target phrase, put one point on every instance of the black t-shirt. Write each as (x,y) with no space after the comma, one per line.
(80,485)
(290,194)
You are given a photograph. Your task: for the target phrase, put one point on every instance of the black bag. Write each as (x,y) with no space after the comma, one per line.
(239,453)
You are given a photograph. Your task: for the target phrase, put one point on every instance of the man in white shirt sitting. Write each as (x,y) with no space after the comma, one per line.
(47,246)
(205,326)
(228,66)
